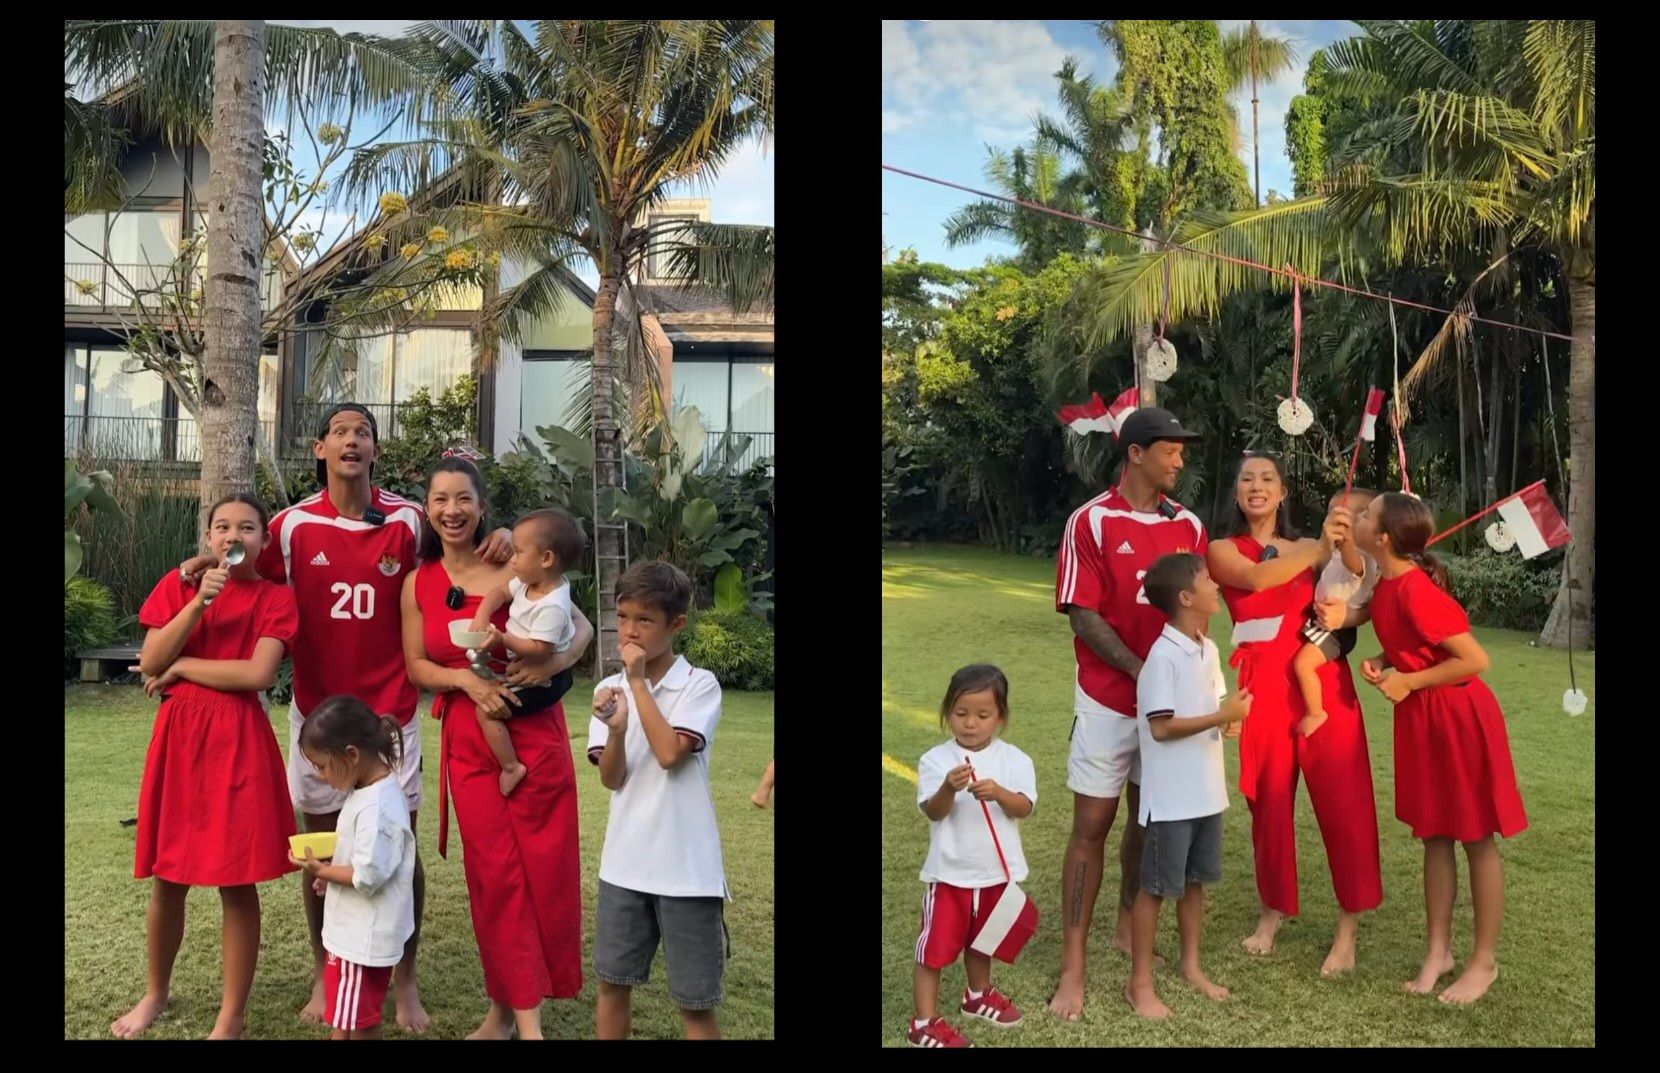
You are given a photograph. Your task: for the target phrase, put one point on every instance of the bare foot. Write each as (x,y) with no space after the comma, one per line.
(1310,723)
(1145,1002)
(412,1016)
(1121,941)
(1342,956)
(494,1026)
(1471,984)
(227,1027)
(1261,941)
(1433,969)
(140,1017)
(759,800)
(1068,1000)
(511,777)
(1203,984)
(312,1012)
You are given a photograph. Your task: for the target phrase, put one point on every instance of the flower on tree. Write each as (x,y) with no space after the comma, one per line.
(437,234)
(494,259)
(85,286)
(375,241)
(458,259)
(305,241)
(392,204)
(328,133)
(409,249)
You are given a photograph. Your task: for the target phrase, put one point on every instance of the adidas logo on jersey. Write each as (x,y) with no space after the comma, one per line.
(320,560)
(1125,549)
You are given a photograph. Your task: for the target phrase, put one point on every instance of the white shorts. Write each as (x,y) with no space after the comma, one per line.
(311,794)
(1106,749)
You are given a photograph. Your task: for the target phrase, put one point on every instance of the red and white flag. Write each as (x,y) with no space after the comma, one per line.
(1369,420)
(1097,416)
(1533,520)
(1011,922)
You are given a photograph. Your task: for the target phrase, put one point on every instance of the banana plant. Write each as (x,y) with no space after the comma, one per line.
(93,489)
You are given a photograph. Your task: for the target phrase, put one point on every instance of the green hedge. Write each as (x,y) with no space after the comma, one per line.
(735,646)
(1505,591)
(89,619)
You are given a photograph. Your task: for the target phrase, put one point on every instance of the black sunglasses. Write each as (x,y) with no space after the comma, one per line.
(454,598)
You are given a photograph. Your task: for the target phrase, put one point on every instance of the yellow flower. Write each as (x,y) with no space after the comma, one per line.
(409,249)
(85,286)
(392,204)
(1005,313)
(494,260)
(437,234)
(328,133)
(458,259)
(375,241)
(305,241)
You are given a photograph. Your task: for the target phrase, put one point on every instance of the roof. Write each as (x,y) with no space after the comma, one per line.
(673,302)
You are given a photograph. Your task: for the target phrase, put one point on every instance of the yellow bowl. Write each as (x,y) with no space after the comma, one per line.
(321,843)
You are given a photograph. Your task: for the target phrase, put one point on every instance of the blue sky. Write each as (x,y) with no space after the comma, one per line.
(741,193)
(951,87)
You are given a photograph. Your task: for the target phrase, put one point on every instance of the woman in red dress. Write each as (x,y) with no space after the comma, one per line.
(1454,779)
(1267,577)
(523,870)
(213,808)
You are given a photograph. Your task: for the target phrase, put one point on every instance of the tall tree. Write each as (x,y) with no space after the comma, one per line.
(1029,173)
(1253,58)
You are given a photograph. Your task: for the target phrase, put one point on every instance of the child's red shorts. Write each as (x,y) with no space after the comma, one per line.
(355,993)
(949,916)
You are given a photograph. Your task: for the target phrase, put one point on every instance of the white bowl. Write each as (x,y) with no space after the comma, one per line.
(462,637)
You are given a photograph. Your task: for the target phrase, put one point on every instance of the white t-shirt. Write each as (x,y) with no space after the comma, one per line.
(368,922)
(1181,779)
(661,837)
(960,849)
(1338,583)
(545,619)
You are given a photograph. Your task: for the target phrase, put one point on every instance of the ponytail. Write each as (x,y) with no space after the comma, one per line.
(1436,567)
(343,721)
(390,745)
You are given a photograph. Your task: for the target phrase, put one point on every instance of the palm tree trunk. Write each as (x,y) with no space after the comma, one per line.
(231,314)
(607,457)
(1463,464)
(1516,426)
(1256,153)
(1495,424)
(1579,565)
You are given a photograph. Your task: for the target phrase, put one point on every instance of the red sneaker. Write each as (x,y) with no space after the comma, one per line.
(936,1033)
(992,1006)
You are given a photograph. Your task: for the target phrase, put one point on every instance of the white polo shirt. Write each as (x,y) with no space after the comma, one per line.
(368,922)
(661,837)
(960,849)
(547,618)
(1181,779)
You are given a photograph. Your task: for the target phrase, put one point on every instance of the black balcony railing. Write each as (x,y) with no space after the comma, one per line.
(760,446)
(139,439)
(96,285)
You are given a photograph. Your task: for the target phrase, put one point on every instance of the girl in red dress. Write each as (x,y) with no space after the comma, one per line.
(1454,780)
(213,809)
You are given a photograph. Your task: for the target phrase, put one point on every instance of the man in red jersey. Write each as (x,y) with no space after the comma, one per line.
(345,551)
(1107,547)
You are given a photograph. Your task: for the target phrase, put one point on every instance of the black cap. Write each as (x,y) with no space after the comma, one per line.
(1151,424)
(323,431)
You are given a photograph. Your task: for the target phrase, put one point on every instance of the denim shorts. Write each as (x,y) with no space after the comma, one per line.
(1177,853)
(628,926)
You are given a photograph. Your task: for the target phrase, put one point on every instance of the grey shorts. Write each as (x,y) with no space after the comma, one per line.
(1179,852)
(629,925)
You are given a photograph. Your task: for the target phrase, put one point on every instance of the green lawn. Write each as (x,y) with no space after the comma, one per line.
(106,732)
(944,607)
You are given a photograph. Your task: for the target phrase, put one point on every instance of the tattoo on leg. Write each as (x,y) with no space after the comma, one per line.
(1078,894)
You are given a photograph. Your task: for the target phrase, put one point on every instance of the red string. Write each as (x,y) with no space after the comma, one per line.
(1400,449)
(1168,246)
(997,845)
(1296,329)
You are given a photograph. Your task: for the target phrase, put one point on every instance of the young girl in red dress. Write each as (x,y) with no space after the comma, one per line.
(213,809)
(1454,780)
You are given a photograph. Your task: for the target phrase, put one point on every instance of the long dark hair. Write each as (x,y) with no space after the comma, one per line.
(1236,524)
(343,720)
(431,547)
(1409,525)
(972,679)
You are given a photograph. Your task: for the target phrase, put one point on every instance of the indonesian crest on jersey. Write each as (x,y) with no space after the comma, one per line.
(389,565)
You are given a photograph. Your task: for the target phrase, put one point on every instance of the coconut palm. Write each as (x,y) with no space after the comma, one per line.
(1491,132)
(1029,173)
(1251,57)
(572,133)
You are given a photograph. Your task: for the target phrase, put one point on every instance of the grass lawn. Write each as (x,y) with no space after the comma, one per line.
(947,606)
(106,732)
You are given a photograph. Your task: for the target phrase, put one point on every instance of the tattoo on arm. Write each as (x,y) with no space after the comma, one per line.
(1078,894)
(1093,630)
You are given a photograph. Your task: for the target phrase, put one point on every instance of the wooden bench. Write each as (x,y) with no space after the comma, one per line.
(93,661)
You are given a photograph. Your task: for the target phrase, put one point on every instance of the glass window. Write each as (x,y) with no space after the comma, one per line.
(143,245)
(79,262)
(548,392)
(432,358)
(702,384)
(127,408)
(664,239)
(752,396)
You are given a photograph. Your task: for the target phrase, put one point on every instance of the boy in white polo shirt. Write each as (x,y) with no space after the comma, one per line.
(660,873)
(1181,708)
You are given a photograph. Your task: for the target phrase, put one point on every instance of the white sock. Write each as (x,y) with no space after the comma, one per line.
(922,1023)
(973,995)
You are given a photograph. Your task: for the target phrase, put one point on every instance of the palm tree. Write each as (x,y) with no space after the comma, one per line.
(1493,132)
(1027,174)
(582,129)
(1251,56)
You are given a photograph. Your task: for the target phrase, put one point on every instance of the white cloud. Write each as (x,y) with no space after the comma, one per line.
(937,72)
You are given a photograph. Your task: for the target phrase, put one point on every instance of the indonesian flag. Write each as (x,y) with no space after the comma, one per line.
(1007,926)
(1369,420)
(1097,416)
(1532,519)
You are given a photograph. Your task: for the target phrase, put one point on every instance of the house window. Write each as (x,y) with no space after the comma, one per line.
(140,247)
(665,237)
(731,394)
(706,385)
(381,372)
(550,384)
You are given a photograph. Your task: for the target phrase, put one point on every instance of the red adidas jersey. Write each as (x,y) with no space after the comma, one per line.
(347,578)
(1106,550)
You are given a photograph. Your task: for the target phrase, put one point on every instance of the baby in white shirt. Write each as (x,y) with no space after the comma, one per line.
(546,543)
(1350,576)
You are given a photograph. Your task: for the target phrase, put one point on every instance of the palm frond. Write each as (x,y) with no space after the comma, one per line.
(730,260)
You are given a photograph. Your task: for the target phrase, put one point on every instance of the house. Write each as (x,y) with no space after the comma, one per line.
(708,355)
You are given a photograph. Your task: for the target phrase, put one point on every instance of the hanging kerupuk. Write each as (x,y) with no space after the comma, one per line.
(1295,415)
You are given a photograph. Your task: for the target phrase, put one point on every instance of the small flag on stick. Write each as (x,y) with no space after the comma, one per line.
(1530,518)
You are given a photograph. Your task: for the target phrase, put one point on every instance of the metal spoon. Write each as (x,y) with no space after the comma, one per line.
(233,557)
